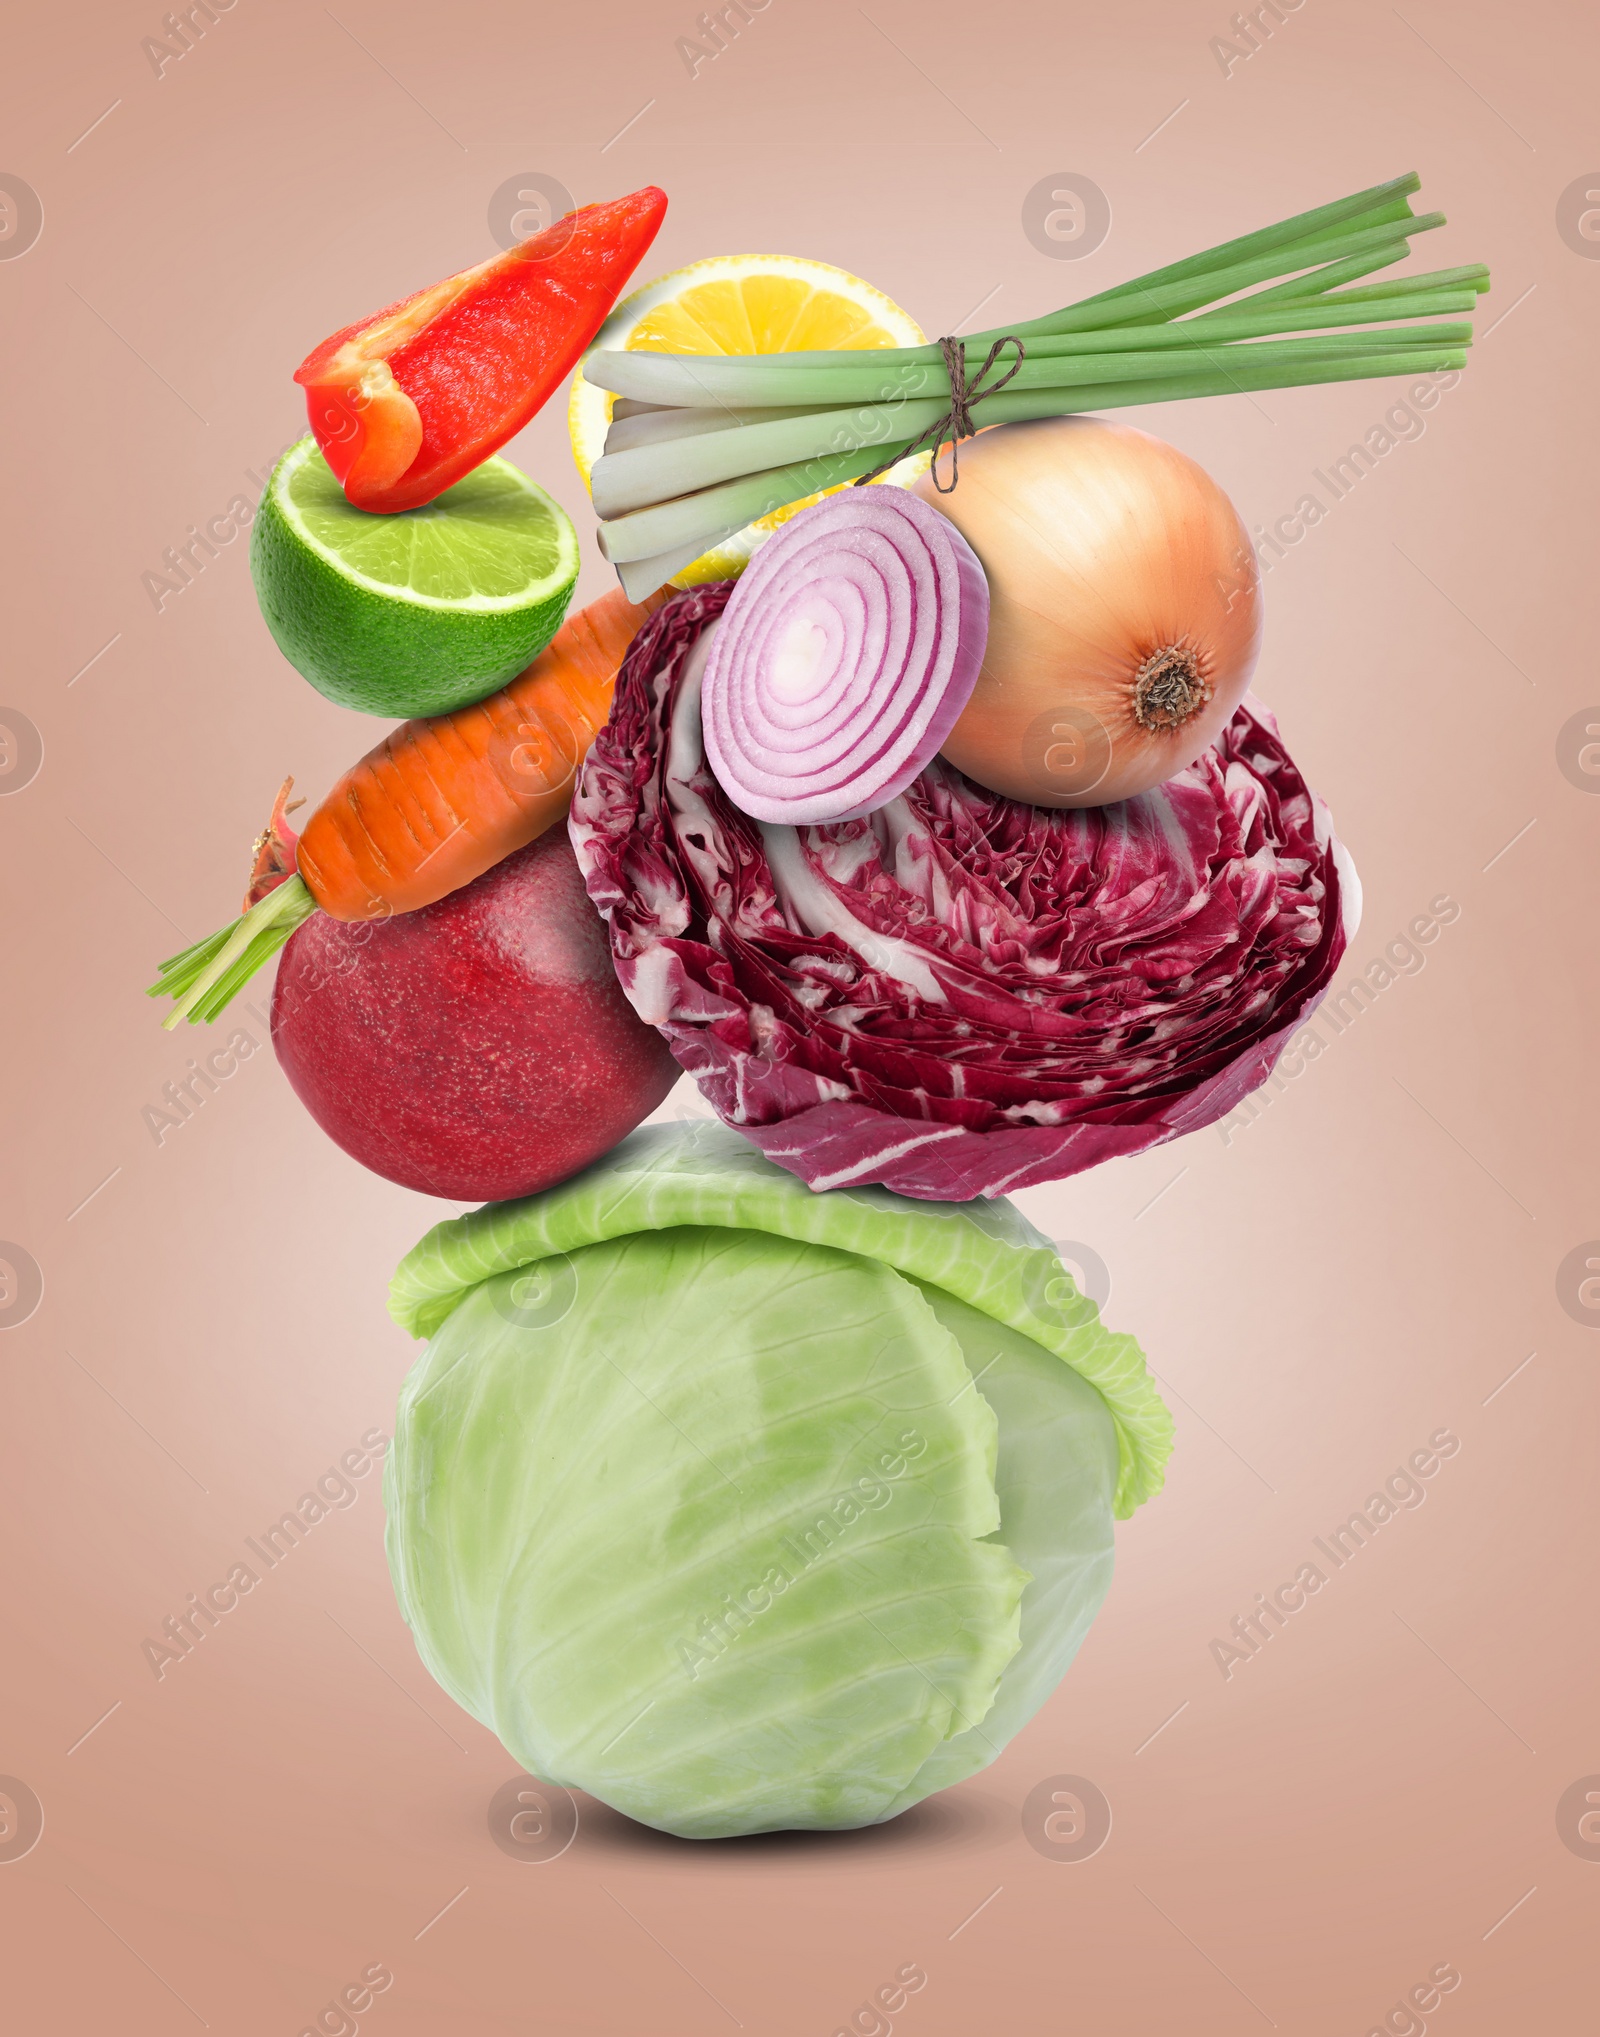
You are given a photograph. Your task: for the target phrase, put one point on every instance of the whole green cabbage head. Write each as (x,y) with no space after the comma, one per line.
(743,1507)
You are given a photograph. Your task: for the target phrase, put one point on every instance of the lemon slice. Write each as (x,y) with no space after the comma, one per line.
(743,304)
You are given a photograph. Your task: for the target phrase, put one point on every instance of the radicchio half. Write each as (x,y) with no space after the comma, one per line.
(959,995)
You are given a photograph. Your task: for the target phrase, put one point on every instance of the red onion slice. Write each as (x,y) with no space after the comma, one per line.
(843,659)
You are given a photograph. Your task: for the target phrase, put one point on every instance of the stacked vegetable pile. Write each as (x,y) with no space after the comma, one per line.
(754,1475)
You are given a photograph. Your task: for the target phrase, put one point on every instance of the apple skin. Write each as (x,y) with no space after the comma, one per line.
(479,1048)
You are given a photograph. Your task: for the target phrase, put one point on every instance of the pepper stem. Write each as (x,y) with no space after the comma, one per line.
(206,978)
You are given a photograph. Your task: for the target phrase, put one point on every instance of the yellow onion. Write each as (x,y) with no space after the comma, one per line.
(1124,610)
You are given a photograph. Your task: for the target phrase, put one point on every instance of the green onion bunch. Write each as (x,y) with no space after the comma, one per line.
(701,445)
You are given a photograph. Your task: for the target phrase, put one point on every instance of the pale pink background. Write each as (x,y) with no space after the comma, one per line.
(1364,1264)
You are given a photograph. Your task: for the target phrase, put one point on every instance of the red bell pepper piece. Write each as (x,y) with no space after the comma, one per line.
(408,401)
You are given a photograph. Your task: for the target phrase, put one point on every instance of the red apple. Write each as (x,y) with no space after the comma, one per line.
(479,1048)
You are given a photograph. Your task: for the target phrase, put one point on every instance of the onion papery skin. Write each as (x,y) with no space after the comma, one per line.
(1103,547)
(844,657)
(961,994)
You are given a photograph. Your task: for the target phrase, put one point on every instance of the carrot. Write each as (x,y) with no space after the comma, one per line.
(441,800)
(438,802)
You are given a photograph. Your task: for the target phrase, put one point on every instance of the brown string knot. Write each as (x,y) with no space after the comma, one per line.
(956,424)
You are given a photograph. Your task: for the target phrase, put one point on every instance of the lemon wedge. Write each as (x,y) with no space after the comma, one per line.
(742,304)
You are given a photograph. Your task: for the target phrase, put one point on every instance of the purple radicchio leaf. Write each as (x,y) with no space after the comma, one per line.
(959,994)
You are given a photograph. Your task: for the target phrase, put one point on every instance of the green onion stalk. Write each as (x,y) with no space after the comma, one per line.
(700,445)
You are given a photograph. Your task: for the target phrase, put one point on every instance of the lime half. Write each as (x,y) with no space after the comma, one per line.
(415,613)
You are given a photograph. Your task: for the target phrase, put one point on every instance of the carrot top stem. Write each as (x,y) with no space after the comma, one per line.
(204,978)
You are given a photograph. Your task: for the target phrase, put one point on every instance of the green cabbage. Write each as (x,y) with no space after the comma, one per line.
(743,1507)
